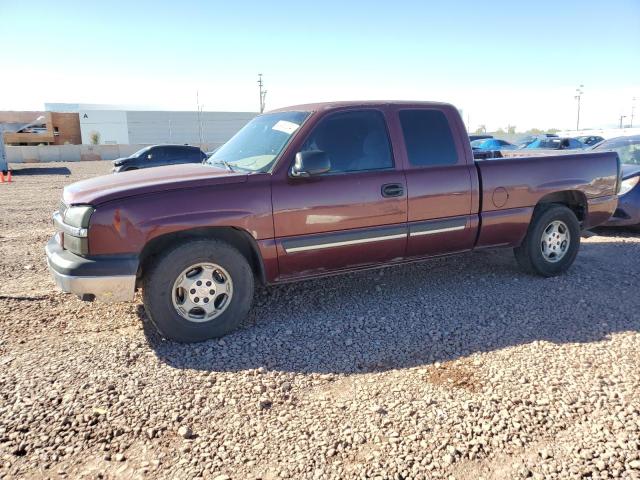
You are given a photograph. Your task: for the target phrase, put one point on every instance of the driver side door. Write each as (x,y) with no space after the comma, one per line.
(352,216)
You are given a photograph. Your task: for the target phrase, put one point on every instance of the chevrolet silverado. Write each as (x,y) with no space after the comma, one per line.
(314,190)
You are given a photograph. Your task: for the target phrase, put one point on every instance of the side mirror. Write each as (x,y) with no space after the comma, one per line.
(307,164)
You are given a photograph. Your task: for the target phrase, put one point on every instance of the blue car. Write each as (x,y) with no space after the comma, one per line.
(628,149)
(490,144)
(555,143)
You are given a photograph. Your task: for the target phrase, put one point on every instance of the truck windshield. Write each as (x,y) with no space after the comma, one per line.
(255,147)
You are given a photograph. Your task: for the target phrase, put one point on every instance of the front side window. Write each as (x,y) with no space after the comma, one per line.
(428,138)
(156,154)
(257,145)
(353,141)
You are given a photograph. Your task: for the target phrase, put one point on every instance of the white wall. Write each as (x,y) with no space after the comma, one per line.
(110,124)
(75,153)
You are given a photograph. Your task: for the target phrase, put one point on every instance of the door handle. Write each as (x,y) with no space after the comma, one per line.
(392,190)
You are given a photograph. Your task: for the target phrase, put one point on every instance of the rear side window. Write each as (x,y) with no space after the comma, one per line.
(354,141)
(428,138)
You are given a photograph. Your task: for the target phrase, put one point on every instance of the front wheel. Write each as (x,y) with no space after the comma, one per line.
(198,290)
(552,242)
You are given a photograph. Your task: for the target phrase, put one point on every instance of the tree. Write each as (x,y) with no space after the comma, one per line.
(94,138)
(500,131)
(511,129)
(481,129)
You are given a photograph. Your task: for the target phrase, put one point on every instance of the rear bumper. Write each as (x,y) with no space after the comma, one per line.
(107,278)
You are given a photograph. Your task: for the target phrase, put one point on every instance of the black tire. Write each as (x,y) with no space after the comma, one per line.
(529,255)
(158,290)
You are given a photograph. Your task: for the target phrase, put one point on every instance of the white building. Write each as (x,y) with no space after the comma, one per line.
(151,127)
(118,125)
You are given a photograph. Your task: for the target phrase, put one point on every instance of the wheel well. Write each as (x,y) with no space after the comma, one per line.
(240,239)
(573,199)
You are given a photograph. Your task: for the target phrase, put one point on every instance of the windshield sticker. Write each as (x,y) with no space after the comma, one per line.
(285,126)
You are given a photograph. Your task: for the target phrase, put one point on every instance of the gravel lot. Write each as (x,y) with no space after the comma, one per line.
(458,368)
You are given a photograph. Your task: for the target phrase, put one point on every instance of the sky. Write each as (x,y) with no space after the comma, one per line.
(501,62)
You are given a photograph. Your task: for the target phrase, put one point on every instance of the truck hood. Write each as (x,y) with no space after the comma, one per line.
(95,191)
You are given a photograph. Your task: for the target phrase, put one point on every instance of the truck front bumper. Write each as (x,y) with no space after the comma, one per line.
(109,278)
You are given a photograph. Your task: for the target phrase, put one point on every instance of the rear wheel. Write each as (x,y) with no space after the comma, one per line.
(198,290)
(551,243)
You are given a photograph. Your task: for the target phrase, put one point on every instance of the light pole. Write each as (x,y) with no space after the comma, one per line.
(577,96)
(263,93)
(633,110)
(621,118)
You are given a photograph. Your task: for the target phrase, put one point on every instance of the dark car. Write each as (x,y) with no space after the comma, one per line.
(158,155)
(590,140)
(315,190)
(628,149)
(555,143)
(491,144)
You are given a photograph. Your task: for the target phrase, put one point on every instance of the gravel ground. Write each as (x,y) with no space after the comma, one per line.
(458,368)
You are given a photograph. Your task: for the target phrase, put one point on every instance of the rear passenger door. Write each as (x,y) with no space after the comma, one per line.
(440,182)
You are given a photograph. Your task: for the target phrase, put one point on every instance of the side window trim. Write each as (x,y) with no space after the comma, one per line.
(382,117)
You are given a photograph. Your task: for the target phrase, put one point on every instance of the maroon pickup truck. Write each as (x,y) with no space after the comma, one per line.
(314,190)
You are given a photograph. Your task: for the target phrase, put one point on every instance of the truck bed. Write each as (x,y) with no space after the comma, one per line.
(511,187)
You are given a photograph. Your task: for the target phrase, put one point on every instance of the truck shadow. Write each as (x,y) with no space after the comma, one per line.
(415,315)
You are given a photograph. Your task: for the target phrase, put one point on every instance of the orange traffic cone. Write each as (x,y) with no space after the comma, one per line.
(9,176)
(1,176)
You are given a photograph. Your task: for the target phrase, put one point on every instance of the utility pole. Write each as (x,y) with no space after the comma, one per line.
(577,96)
(633,110)
(621,118)
(199,116)
(263,93)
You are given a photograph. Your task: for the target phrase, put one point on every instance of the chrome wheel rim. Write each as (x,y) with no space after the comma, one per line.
(202,292)
(555,241)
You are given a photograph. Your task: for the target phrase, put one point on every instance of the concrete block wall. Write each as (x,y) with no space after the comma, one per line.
(75,153)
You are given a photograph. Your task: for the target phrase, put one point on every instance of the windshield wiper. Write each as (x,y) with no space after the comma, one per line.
(225,163)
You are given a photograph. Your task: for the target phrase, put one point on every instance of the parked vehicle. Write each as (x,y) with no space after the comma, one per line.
(314,190)
(628,149)
(555,143)
(4,165)
(527,139)
(491,144)
(479,137)
(590,140)
(159,155)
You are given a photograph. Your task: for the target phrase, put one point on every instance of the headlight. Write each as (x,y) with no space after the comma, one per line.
(73,222)
(78,216)
(628,184)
